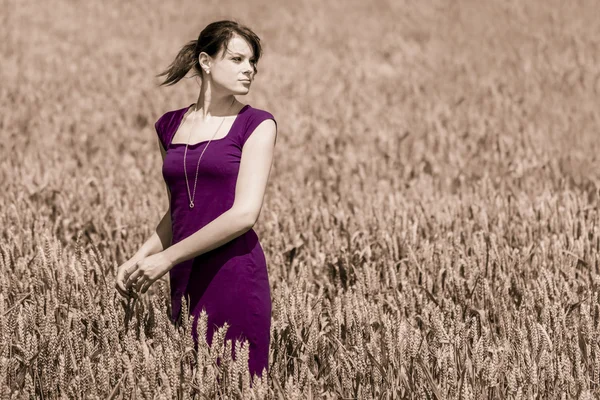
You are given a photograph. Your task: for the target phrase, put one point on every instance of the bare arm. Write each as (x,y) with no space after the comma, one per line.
(161,238)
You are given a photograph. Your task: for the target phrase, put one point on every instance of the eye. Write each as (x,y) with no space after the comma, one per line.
(237,58)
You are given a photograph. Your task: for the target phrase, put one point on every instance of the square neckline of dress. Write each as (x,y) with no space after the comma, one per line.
(179,144)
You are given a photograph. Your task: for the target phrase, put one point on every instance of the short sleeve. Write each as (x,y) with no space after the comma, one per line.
(254,120)
(160,128)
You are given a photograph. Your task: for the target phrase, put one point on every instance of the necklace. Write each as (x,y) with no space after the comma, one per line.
(192,196)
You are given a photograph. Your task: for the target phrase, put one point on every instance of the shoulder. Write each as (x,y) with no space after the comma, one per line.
(255,116)
(164,124)
(258,113)
(169,115)
(166,118)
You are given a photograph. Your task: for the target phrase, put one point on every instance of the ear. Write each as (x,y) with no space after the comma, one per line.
(204,60)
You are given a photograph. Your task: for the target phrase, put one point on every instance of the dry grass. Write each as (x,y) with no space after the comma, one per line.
(431,224)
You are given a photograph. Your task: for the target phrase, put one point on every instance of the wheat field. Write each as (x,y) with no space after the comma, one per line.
(431,223)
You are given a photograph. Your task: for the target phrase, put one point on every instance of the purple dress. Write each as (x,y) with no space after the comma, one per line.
(231,281)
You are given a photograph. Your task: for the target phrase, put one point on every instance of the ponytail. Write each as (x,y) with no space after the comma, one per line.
(186,59)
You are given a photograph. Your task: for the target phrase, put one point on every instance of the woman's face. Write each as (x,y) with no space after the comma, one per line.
(232,70)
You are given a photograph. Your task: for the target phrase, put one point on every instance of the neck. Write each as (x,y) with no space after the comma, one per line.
(210,106)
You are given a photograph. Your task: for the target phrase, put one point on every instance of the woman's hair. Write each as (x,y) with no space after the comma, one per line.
(212,39)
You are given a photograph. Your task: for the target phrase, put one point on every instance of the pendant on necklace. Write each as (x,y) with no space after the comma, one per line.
(192,205)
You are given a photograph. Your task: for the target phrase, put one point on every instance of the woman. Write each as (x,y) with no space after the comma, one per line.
(205,240)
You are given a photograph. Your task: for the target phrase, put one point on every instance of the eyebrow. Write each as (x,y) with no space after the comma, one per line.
(237,54)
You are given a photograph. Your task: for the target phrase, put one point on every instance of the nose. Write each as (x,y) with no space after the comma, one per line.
(248,69)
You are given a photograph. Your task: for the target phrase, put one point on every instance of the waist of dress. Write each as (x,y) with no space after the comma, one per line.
(242,244)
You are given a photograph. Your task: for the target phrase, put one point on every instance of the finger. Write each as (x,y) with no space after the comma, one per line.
(138,285)
(121,289)
(118,289)
(119,285)
(130,270)
(146,286)
(133,278)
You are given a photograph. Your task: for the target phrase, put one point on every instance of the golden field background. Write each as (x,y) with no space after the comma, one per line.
(431,222)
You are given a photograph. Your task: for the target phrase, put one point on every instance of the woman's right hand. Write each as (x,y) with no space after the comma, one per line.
(121,273)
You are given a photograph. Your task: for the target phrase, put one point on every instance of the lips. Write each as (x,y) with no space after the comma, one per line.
(245,80)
